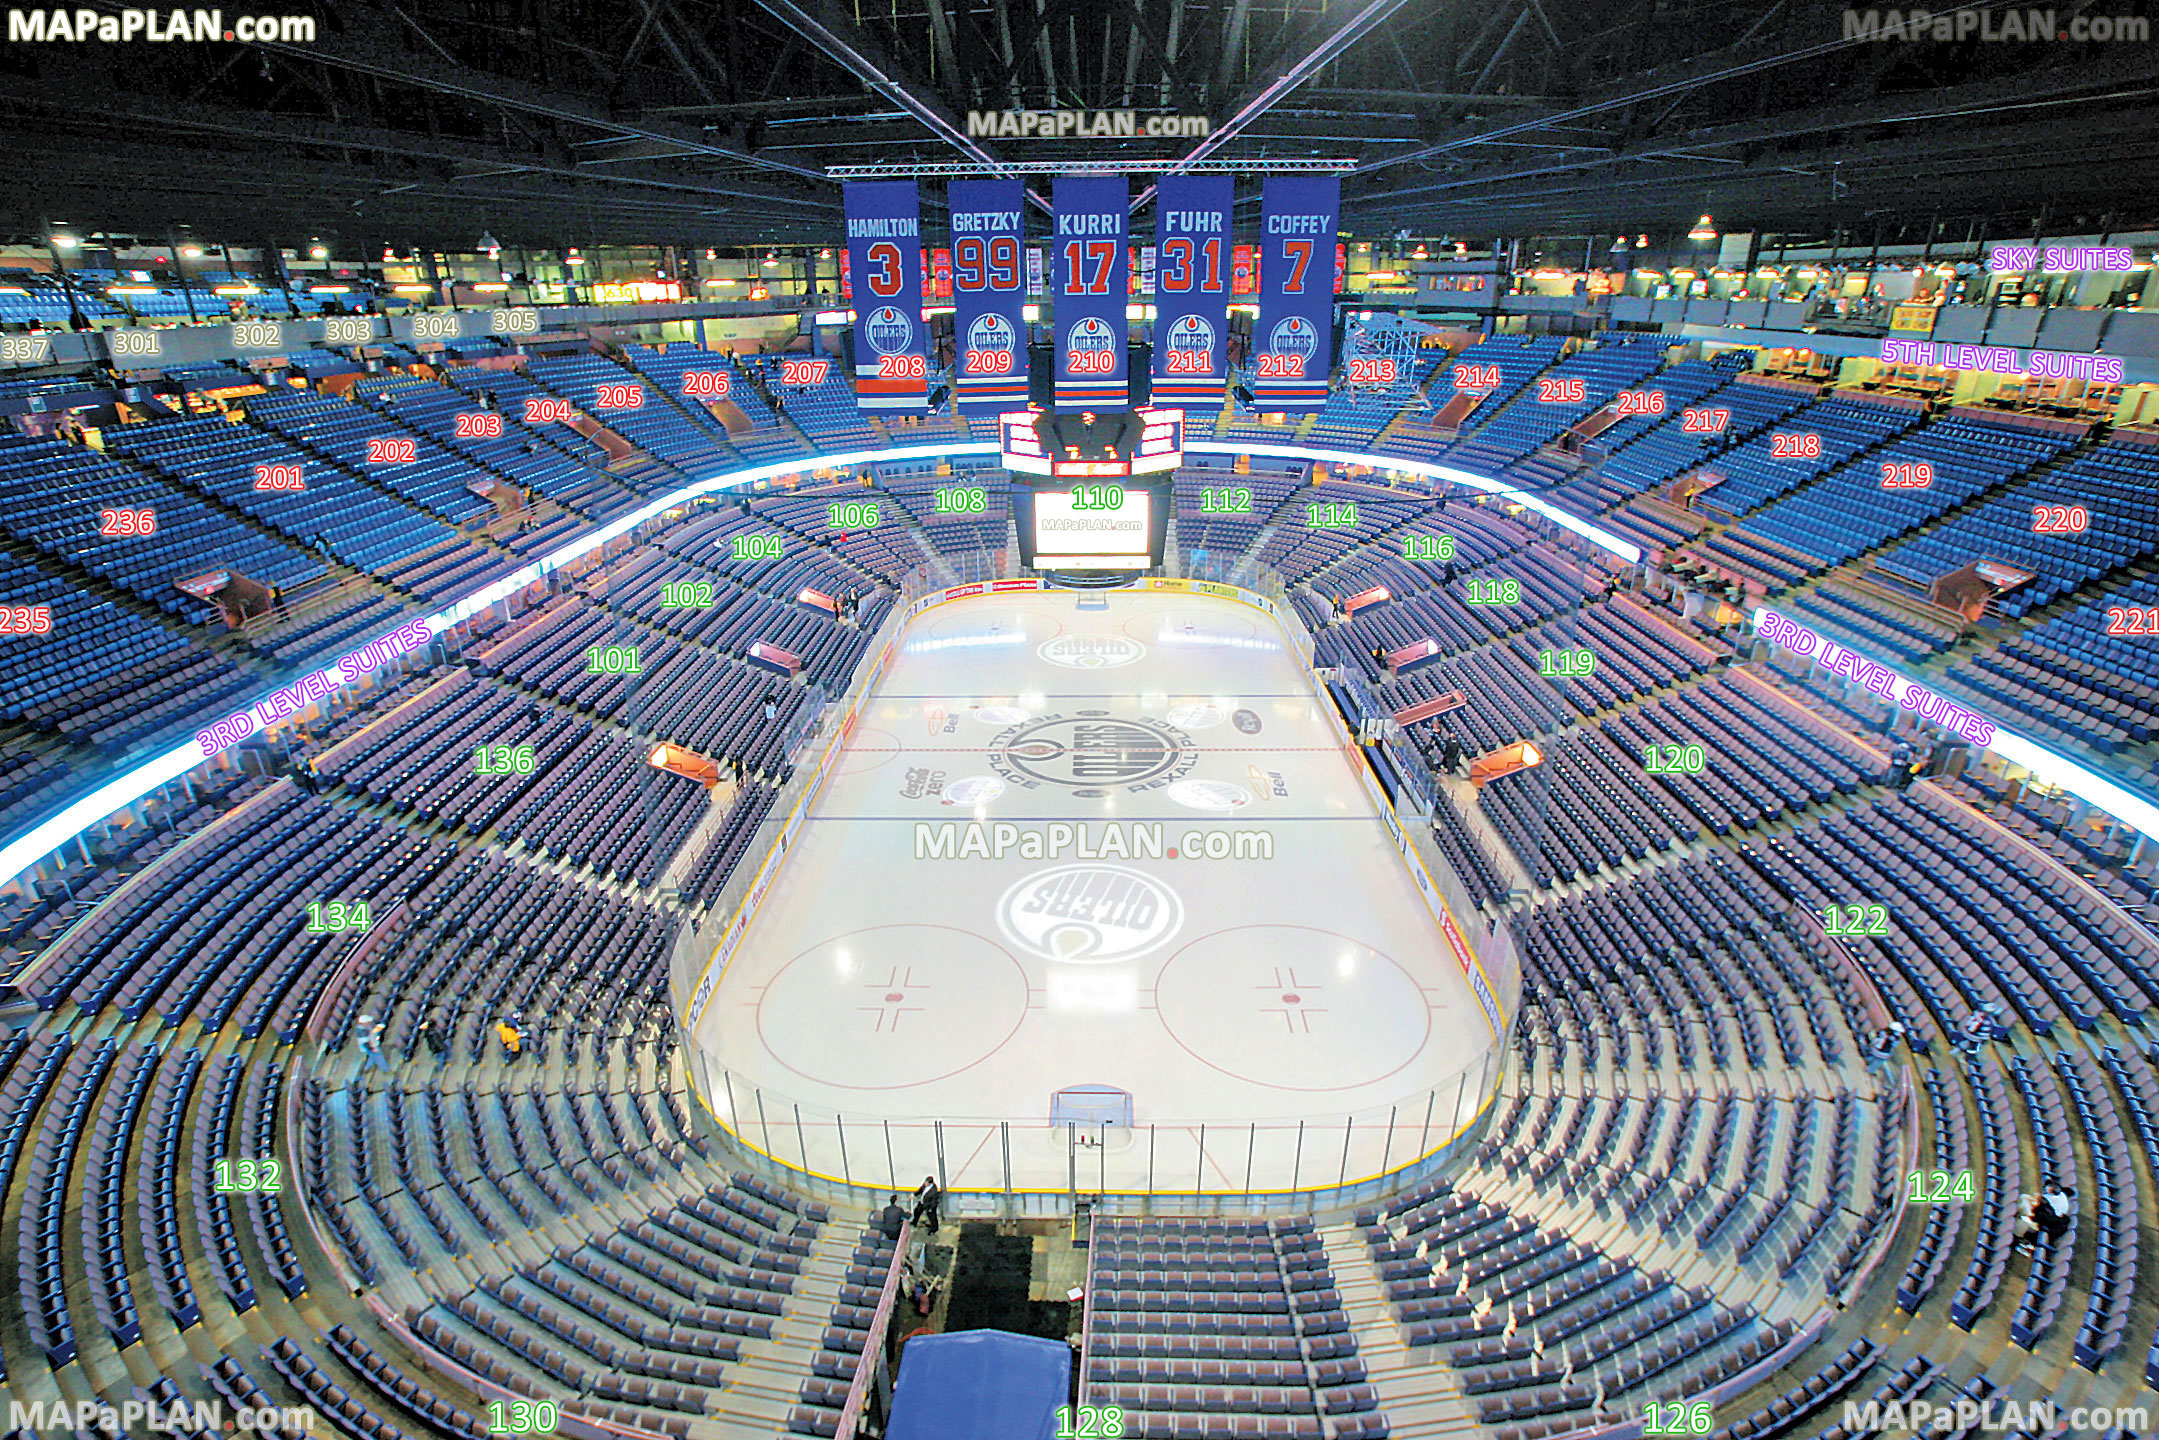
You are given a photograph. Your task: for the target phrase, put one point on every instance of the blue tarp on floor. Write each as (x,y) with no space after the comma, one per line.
(980,1385)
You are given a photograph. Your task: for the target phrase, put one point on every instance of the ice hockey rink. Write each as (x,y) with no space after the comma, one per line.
(1095,840)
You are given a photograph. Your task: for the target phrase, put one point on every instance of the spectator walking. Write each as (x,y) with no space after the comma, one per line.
(772,704)
(371,1044)
(437,1038)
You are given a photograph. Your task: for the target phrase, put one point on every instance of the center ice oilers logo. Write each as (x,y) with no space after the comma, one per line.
(1190,335)
(992,335)
(889,331)
(1089,914)
(1294,336)
(1092,750)
(1091,652)
(1090,336)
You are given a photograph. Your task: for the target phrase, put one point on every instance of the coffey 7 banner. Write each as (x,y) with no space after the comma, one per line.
(1093,274)
(884,251)
(1191,287)
(1296,292)
(989,278)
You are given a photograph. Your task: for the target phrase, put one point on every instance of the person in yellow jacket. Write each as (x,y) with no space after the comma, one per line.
(512,1038)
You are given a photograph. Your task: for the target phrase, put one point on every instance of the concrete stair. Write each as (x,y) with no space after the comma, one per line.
(1417,1391)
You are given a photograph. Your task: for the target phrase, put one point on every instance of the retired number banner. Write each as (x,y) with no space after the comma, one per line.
(1191,287)
(989,278)
(884,251)
(1092,269)
(1296,292)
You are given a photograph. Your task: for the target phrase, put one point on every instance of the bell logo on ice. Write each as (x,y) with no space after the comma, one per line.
(1294,336)
(1091,336)
(992,334)
(889,332)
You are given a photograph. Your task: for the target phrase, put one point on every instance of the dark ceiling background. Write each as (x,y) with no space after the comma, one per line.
(710,122)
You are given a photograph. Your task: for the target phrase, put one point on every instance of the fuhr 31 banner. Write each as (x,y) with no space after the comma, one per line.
(1191,287)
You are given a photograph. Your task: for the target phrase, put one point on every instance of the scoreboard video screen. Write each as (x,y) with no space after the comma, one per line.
(1098,496)
(1093,525)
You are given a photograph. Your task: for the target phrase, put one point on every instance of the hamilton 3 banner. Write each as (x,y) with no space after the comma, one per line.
(989,276)
(884,251)
(1191,287)
(1295,332)
(1093,277)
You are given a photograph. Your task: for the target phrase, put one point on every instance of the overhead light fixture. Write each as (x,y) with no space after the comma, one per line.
(1641,240)
(491,288)
(412,289)
(319,252)
(64,242)
(233,290)
(130,289)
(1702,230)
(824,254)
(191,252)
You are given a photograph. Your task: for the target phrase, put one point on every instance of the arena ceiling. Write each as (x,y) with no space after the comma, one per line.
(712,122)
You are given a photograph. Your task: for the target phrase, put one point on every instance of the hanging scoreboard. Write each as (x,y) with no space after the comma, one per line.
(1093,277)
(989,273)
(884,252)
(1193,260)
(1297,276)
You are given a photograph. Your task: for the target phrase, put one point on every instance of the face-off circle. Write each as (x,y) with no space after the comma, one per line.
(1236,1007)
(892,1006)
(1089,914)
(1091,652)
(1079,751)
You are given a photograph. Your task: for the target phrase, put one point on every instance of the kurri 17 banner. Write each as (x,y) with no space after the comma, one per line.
(884,251)
(1191,287)
(989,279)
(1296,292)
(1092,271)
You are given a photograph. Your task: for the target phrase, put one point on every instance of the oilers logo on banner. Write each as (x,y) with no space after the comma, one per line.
(1191,335)
(992,334)
(1294,336)
(1090,336)
(888,330)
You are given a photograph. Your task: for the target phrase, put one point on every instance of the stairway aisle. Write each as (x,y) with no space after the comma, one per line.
(1417,1391)
(764,1385)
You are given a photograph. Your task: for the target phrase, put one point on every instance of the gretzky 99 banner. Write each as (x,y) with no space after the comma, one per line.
(989,278)
(1296,292)
(884,251)
(1093,273)
(1191,287)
